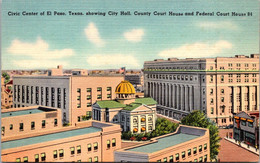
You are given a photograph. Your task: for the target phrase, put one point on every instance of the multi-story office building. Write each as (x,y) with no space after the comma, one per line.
(89,141)
(29,120)
(73,94)
(218,86)
(133,114)
(187,144)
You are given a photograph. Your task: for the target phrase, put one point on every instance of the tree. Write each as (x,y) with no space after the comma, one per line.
(198,119)
(6,76)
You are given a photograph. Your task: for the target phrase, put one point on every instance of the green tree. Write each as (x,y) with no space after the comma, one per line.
(6,76)
(198,119)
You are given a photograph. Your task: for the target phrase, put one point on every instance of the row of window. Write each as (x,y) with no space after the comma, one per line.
(239,65)
(245,123)
(55,156)
(32,97)
(99,89)
(21,125)
(73,150)
(171,77)
(183,154)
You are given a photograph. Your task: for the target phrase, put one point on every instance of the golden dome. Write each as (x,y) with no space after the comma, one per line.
(125,87)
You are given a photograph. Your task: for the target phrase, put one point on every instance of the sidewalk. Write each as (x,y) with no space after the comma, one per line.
(243,145)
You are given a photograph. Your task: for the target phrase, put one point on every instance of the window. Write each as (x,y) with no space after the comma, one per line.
(211,101)
(88,89)
(90,159)
(194,150)
(61,152)
(177,156)
(108,88)
(183,154)
(222,91)
(72,150)
(211,91)
(243,123)
(250,124)
(21,127)
(18,160)
(200,148)
(222,78)
(43,156)
(79,161)
(32,125)
(189,152)
(36,158)
(205,146)
(195,160)
(78,118)
(88,114)
(222,99)
(89,104)
(212,110)
(108,143)
(99,89)
(113,142)
(211,78)
(96,159)
(55,154)
(99,96)
(205,158)
(171,158)
(11,126)
(78,90)
(158,161)
(88,97)
(79,149)
(55,122)
(43,123)
(89,147)
(165,159)
(95,146)
(25,159)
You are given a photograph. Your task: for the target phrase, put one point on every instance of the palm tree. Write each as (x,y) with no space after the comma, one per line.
(198,119)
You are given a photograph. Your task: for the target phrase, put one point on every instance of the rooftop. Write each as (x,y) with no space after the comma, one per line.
(164,142)
(138,102)
(146,101)
(48,137)
(110,104)
(21,112)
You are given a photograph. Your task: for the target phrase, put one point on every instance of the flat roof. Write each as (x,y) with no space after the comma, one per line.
(164,142)
(21,112)
(48,137)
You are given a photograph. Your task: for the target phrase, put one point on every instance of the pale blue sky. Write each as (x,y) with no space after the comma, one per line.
(102,42)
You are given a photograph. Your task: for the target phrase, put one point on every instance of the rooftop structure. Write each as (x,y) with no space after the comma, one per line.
(186,144)
(28,120)
(133,114)
(89,141)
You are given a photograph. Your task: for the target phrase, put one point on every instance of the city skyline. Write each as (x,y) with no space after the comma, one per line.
(111,42)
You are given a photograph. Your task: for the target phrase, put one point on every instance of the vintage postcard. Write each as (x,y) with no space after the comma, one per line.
(130,81)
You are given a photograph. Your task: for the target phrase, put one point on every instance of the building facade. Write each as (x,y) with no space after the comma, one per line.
(187,144)
(73,94)
(6,94)
(246,128)
(89,141)
(132,114)
(217,86)
(29,120)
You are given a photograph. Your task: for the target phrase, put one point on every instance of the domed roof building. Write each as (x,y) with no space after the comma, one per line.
(125,87)
(133,114)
